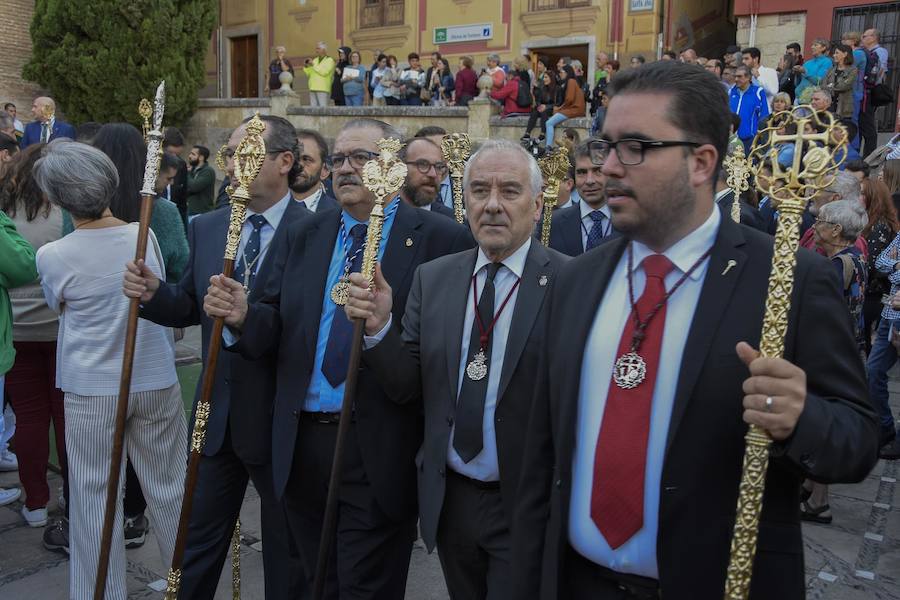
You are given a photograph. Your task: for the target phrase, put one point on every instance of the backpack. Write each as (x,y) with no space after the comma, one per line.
(873,69)
(523,94)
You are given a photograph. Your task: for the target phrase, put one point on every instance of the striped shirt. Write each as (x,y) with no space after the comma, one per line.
(886,263)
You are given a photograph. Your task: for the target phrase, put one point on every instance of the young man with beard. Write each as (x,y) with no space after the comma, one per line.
(201,182)
(298,322)
(308,186)
(425,170)
(633,473)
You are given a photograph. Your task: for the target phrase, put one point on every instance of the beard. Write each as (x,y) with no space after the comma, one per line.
(653,218)
(419,196)
(302,183)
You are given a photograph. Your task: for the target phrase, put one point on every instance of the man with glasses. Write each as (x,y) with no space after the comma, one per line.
(748,101)
(636,439)
(239,429)
(584,226)
(300,321)
(425,171)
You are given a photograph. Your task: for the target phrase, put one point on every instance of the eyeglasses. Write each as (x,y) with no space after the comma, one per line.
(424,166)
(824,221)
(630,151)
(358,159)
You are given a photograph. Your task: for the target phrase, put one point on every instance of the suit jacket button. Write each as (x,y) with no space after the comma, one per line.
(450,421)
(559,483)
(441,471)
(499,419)
(296,414)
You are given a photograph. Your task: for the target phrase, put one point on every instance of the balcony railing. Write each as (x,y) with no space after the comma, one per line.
(380,13)
(556,4)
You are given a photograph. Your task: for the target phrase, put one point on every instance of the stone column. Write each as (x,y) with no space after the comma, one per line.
(280,101)
(479,124)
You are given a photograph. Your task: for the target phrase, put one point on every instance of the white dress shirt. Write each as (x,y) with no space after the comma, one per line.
(485,466)
(587,223)
(768,81)
(312,201)
(637,555)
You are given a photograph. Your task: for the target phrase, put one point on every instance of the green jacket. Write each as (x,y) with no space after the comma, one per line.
(201,186)
(16,268)
(320,73)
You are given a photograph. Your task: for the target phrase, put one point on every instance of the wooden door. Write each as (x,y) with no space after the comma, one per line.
(244,67)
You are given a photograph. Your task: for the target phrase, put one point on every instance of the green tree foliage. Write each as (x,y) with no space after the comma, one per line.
(98,58)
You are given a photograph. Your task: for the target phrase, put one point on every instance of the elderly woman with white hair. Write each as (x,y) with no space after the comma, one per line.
(278,65)
(81,276)
(838,225)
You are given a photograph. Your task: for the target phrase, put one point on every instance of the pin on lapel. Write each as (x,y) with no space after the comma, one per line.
(731,263)
(408,242)
(542,280)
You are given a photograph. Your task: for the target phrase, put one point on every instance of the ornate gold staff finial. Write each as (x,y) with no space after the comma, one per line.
(819,147)
(737,168)
(145,109)
(383,176)
(49,111)
(554,167)
(154,140)
(456,149)
(222,163)
(248,160)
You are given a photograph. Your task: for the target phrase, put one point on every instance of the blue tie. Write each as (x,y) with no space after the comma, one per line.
(595,235)
(251,252)
(337,350)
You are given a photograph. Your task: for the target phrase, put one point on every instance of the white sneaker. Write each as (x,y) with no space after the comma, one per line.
(9,496)
(36,517)
(8,462)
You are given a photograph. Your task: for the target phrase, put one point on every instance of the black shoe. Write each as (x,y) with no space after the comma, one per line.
(890,451)
(136,531)
(56,535)
(815,515)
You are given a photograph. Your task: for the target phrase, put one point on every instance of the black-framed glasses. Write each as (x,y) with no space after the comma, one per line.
(630,151)
(358,159)
(424,166)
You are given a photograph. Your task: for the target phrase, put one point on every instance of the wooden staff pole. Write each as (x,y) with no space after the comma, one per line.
(148,193)
(248,159)
(383,176)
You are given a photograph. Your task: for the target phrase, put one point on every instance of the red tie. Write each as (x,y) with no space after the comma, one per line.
(617,495)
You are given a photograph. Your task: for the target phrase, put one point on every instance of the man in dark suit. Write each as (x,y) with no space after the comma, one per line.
(43,129)
(473,420)
(297,320)
(239,429)
(309,187)
(633,462)
(173,143)
(585,225)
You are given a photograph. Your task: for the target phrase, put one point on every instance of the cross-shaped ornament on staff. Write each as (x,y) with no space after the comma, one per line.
(456,149)
(737,169)
(554,167)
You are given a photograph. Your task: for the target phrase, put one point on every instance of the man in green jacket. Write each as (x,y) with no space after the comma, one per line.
(320,72)
(201,182)
(16,268)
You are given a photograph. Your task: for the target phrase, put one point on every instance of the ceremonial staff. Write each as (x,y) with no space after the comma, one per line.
(148,193)
(145,109)
(456,149)
(248,159)
(737,168)
(383,176)
(554,167)
(817,157)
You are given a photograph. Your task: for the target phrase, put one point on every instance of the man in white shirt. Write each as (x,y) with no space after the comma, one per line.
(10,108)
(764,77)
(472,330)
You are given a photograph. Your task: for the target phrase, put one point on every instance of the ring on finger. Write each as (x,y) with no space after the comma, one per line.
(769,402)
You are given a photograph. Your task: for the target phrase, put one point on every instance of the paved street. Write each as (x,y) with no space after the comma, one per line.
(857,557)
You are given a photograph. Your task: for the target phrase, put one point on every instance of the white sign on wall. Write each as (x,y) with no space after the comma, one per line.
(463,33)
(639,5)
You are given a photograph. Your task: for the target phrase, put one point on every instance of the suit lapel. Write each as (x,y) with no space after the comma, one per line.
(456,297)
(582,305)
(528,305)
(316,260)
(572,231)
(714,300)
(403,245)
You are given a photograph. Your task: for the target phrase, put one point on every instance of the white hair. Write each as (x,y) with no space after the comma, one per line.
(322,45)
(490,146)
(847,187)
(77,177)
(849,214)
